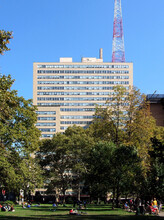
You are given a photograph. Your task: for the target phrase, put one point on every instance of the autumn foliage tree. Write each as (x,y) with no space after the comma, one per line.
(126,120)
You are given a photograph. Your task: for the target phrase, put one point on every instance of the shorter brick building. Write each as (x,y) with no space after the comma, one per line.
(157,107)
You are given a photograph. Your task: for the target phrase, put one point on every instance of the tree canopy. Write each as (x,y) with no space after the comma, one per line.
(18,135)
(5,37)
(112,169)
(62,158)
(126,121)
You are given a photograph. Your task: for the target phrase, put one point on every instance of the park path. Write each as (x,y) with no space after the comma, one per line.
(161,214)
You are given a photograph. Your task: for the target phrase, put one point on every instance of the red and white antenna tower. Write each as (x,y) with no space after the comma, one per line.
(118,51)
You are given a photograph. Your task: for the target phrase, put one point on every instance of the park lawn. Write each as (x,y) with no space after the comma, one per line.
(92,212)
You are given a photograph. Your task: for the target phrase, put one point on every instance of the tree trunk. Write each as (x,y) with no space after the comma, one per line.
(117,195)
(113,197)
(78,196)
(63,197)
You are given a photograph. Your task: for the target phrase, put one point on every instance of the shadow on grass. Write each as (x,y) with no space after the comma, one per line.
(86,217)
(68,209)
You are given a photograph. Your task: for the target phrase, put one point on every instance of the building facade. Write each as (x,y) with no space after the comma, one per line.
(67,92)
(157,107)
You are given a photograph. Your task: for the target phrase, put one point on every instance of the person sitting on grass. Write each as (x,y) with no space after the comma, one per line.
(24,205)
(8,207)
(73,212)
(126,206)
(154,210)
(3,208)
(12,209)
(28,205)
(154,203)
(155,206)
(54,205)
(131,205)
(150,209)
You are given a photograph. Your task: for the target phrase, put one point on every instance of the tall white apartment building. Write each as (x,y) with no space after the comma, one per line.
(67,92)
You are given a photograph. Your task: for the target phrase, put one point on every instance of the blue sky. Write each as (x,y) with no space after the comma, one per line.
(45,30)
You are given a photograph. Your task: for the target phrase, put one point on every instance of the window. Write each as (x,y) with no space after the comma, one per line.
(73,93)
(77,109)
(63,128)
(77,117)
(83,66)
(74,88)
(47,135)
(73,99)
(75,122)
(46,124)
(82,82)
(81,76)
(46,118)
(46,112)
(69,104)
(47,129)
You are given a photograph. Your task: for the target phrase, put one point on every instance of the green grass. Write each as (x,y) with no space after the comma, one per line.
(93,212)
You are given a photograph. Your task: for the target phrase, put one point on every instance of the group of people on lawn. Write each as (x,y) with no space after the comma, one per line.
(142,207)
(29,205)
(26,205)
(7,208)
(81,205)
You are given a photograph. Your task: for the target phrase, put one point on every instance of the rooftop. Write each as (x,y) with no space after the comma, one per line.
(155,98)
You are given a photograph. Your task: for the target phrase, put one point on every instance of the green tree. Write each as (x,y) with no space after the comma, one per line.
(5,37)
(18,135)
(113,169)
(56,160)
(62,158)
(154,181)
(17,119)
(80,144)
(99,169)
(126,172)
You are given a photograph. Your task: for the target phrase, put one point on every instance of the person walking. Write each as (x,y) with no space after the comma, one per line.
(159,205)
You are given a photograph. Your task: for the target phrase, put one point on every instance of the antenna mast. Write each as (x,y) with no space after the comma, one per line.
(118,51)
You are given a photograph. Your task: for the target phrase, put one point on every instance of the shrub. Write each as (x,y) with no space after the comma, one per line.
(7,202)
